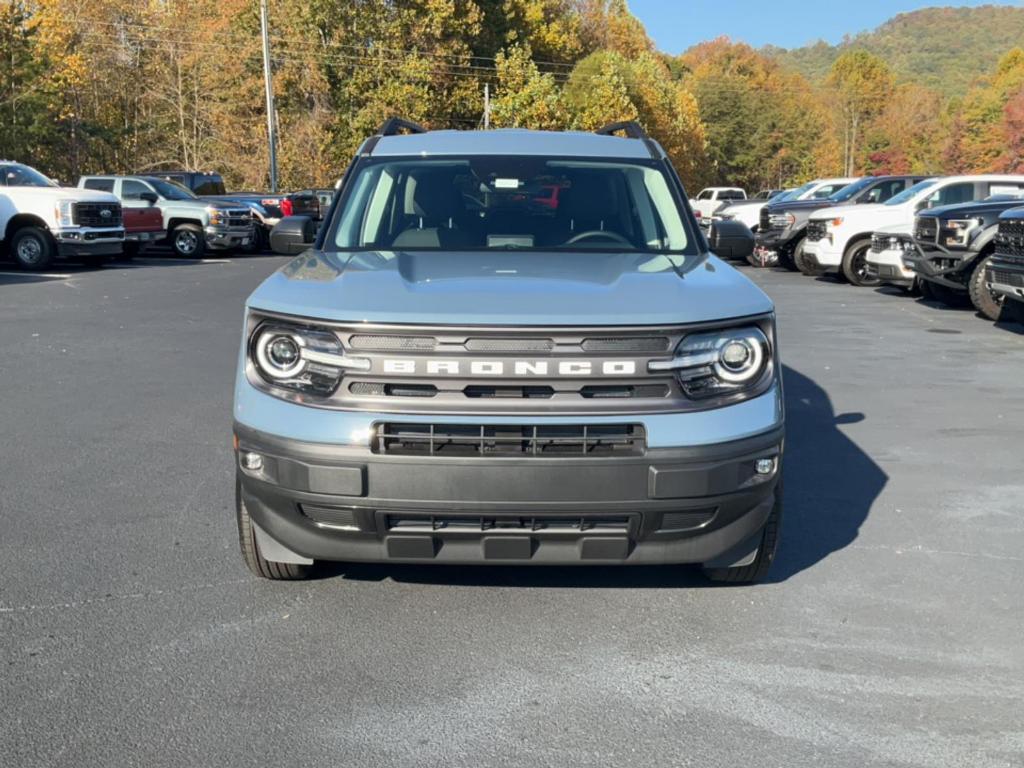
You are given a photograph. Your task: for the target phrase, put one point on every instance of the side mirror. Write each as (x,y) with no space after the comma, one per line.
(292,235)
(731,239)
(149,197)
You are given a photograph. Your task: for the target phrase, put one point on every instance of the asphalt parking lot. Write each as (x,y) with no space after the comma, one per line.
(889,634)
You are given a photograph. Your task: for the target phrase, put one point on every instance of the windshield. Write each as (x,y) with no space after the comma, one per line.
(18,175)
(795,194)
(910,192)
(850,190)
(170,190)
(518,202)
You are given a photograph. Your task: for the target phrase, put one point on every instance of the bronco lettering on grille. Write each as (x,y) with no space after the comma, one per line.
(511,368)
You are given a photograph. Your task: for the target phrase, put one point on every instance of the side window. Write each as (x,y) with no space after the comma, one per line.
(1003,188)
(952,194)
(132,189)
(730,194)
(882,192)
(827,191)
(100,185)
(705,194)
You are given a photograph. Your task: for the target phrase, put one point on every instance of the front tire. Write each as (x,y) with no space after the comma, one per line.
(986,302)
(757,570)
(259,565)
(855,265)
(33,248)
(187,241)
(800,262)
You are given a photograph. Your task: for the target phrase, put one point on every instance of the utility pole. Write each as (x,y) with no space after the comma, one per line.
(487,106)
(269,83)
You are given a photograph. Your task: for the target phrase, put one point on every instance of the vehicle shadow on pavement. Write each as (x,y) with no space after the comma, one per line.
(830,486)
(24,278)
(830,482)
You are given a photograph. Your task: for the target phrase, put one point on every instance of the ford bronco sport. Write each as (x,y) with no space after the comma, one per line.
(459,371)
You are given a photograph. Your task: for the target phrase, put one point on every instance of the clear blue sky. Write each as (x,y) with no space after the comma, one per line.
(675,25)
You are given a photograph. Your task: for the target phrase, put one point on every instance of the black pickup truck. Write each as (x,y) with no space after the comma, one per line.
(955,243)
(1004,272)
(783,226)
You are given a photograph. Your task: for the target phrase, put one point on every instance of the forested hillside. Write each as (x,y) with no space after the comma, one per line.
(111,86)
(944,49)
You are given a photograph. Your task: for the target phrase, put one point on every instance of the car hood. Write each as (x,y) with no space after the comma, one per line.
(972,209)
(743,204)
(902,228)
(798,205)
(62,193)
(862,212)
(509,288)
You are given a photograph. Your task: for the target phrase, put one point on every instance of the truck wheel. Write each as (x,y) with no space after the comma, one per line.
(986,302)
(801,263)
(187,241)
(855,265)
(33,248)
(265,569)
(757,570)
(788,258)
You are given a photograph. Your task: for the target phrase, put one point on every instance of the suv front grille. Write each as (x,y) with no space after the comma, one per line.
(499,440)
(765,221)
(1010,240)
(816,230)
(926,229)
(96,214)
(1005,277)
(413,522)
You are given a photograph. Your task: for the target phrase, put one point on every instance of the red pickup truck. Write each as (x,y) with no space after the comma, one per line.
(142,226)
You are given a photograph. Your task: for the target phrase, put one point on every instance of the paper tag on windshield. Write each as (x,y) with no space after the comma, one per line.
(506,183)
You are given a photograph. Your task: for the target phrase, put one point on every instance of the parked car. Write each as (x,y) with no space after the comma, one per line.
(143,220)
(41,222)
(783,226)
(1004,272)
(192,225)
(889,247)
(202,183)
(749,211)
(954,244)
(710,199)
(838,239)
(430,385)
(315,202)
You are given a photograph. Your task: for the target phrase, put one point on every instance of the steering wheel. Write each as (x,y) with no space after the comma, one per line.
(613,236)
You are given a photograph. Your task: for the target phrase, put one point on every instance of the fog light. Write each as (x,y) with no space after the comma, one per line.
(252,461)
(765,466)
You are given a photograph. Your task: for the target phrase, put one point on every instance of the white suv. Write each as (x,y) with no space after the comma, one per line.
(838,239)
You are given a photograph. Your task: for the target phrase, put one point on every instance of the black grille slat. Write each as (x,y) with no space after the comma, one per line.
(626,344)
(1005,277)
(392,343)
(1010,240)
(91,214)
(509,345)
(486,440)
(512,524)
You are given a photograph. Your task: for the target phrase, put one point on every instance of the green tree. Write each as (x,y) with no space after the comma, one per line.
(862,84)
(525,98)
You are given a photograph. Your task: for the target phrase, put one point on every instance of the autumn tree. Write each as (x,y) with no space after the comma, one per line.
(526,98)
(906,135)
(983,114)
(861,84)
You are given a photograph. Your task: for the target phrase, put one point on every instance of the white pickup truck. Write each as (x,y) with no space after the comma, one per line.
(41,221)
(710,199)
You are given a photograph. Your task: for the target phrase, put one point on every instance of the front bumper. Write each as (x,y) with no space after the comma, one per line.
(888,264)
(776,239)
(86,241)
(943,267)
(223,237)
(823,254)
(1006,277)
(693,497)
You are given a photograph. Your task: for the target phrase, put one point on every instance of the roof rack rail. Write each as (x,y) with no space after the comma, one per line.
(631,128)
(394,125)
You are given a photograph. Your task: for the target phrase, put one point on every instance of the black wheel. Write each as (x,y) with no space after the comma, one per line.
(259,242)
(757,570)
(855,264)
(188,242)
(259,565)
(787,258)
(33,248)
(801,263)
(986,302)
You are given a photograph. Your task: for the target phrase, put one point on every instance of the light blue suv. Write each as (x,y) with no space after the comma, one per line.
(509,347)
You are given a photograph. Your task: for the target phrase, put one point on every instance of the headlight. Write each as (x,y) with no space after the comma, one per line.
(302,359)
(724,362)
(217,217)
(63,212)
(961,230)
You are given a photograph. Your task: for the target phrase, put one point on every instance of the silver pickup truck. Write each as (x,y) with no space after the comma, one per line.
(193,225)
